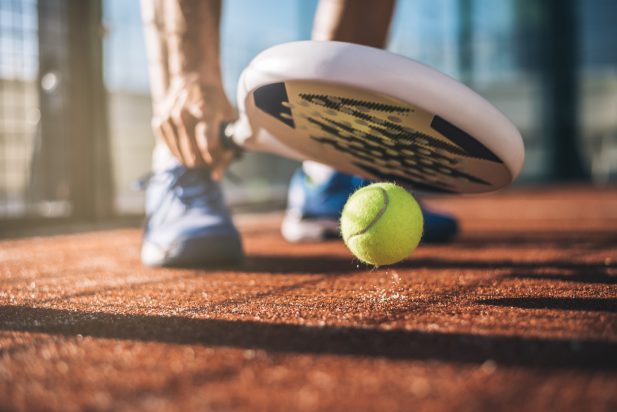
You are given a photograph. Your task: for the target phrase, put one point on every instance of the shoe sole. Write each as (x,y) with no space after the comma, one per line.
(194,253)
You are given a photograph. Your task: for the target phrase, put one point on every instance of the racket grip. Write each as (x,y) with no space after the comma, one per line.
(226,134)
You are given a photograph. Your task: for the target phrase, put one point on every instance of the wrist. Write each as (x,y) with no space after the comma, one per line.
(189,79)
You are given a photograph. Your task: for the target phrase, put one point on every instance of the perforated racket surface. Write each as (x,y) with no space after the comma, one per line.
(368,132)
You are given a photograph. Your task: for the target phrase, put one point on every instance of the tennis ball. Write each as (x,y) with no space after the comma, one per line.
(381,224)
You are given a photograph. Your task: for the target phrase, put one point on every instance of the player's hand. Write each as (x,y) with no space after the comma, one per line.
(189,120)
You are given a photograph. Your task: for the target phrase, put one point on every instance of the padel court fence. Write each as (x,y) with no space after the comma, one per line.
(74,109)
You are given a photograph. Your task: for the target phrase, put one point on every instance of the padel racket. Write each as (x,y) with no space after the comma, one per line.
(368,112)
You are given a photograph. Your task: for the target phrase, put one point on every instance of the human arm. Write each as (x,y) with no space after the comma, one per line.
(189,100)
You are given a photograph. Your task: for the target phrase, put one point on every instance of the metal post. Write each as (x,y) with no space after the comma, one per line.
(561,79)
(91,181)
(465,40)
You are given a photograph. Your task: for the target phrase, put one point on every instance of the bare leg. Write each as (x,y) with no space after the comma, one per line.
(355,21)
(158,67)
(158,53)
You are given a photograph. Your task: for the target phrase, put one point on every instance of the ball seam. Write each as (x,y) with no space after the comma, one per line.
(377,216)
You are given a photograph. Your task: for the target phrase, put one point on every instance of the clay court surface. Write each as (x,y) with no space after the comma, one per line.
(520,313)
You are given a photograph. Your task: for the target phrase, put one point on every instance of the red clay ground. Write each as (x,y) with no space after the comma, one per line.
(520,313)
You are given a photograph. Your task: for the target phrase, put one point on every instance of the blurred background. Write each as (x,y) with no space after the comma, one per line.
(75,112)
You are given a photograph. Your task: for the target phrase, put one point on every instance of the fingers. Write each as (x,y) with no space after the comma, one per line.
(192,141)
(202,141)
(165,131)
(176,129)
(214,153)
(213,142)
(184,123)
(226,159)
(189,124)
(217,155)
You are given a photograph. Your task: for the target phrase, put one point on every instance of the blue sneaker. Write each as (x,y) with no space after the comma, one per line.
(314,210)
(187,222)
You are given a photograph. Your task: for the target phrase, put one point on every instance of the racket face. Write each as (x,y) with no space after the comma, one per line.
(376,136)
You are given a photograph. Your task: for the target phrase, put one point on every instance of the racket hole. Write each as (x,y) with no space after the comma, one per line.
(394,119)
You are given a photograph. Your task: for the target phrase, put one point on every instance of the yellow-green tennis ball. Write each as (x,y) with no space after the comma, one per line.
(381,224)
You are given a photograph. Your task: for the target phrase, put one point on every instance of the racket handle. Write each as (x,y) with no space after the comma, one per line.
(226,134)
